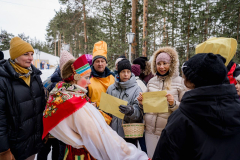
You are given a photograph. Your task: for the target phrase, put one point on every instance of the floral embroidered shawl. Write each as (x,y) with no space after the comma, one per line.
(63,100)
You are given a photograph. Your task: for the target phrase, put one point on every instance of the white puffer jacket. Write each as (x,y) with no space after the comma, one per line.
(172,83)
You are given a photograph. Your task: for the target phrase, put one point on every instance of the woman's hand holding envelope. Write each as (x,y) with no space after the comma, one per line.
(170,99)
(140,98)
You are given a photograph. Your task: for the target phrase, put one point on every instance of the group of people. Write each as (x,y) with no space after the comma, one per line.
(202,122)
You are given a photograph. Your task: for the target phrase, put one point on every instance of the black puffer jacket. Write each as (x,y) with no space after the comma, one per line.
(21,112)
(205,127)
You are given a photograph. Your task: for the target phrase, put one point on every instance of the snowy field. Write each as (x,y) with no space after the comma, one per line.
(46,73)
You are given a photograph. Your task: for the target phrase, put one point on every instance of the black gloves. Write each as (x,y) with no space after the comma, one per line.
(127,110)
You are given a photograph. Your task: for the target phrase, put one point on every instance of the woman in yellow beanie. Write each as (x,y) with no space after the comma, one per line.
(22,102)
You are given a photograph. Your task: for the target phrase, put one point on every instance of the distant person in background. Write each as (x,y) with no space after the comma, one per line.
(1,55)
(22,102)
(136,70)
(41,65)
(238,85)
(116,62)
(48,65)
(145,65)
(89,58)
(116,66)
(233,72)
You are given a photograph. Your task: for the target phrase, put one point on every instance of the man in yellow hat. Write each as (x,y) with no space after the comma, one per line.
(102,77)
(226,47)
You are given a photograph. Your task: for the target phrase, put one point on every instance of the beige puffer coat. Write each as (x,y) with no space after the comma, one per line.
(173,83)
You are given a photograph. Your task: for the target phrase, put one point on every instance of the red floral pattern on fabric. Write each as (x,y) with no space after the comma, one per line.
(62,92)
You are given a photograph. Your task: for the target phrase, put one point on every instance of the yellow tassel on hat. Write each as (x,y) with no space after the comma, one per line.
(18,47)
(226,47)
(100,49)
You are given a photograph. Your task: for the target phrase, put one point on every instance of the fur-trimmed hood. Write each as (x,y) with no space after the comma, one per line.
(173,70)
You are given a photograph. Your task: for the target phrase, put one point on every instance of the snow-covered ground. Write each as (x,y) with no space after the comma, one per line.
(46,73)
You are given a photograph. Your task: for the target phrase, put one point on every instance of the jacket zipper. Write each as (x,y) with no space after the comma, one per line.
(163,83)
(154,130)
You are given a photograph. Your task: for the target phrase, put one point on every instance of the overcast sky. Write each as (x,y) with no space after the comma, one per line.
(27,16)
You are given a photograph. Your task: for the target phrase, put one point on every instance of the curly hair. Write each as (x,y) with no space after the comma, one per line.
(147,70)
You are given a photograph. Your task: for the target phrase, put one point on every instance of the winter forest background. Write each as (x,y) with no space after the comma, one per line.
(179,23)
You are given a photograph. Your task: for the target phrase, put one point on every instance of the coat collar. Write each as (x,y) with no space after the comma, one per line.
(106,73)
(7,70)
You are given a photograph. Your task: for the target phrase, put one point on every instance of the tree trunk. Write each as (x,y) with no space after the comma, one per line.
(85,28)
(110,25)
(189,16)
(145,15)
(167,26)
(137,37)
(238,24)
(173,24)
(206,22)
(75,48)
(59,43)
(134,27)
(55,47)
(79,45)
(123,22)
(154,29)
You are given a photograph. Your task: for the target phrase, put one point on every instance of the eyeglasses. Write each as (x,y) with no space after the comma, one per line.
(183,65)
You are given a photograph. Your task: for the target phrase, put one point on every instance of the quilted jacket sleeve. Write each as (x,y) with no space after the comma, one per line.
(3,123)
(137,114)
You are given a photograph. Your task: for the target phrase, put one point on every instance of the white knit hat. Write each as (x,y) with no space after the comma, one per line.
(65,56)
(118,60)
(238,77)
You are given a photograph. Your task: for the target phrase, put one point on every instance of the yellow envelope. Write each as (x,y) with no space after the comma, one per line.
(111,105)
(155,102)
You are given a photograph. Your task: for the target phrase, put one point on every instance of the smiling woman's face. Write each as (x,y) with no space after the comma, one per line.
(163,67)
(25,60)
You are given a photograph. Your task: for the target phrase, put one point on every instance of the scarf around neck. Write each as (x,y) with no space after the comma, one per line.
(22,72)
(162,75)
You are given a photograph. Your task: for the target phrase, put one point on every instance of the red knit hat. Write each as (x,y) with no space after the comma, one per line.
(136,69)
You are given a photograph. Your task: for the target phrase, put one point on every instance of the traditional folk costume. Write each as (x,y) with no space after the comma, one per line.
(69,117)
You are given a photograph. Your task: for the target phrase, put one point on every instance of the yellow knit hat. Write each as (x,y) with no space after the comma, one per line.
(18,47)
(100,50)
(226,47)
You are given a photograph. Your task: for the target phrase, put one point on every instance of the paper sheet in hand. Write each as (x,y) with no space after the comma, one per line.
(155,102)
(111,105)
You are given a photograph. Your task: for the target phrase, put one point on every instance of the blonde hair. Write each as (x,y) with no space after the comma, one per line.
(147,70)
